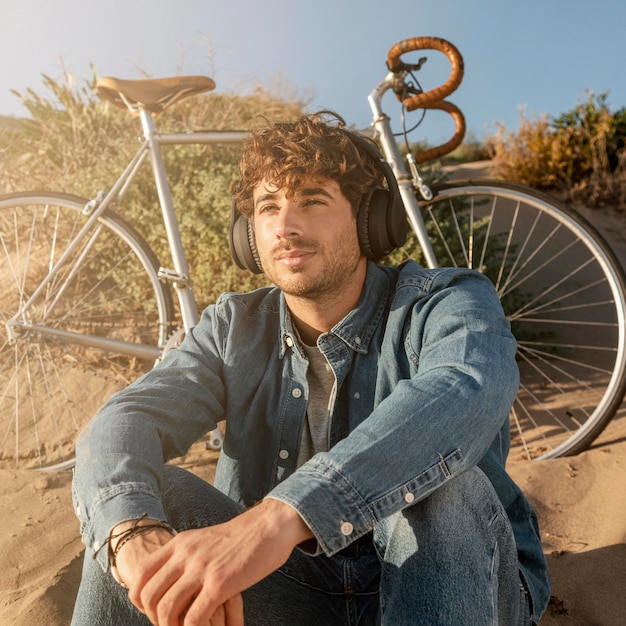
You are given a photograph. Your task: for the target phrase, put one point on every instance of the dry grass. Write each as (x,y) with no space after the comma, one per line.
(580,154)
(75,142)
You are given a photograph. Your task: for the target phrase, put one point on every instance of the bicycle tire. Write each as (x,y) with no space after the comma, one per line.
(50,386)
(563,291)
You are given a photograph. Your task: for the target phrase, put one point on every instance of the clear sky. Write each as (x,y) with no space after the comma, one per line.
(542,55)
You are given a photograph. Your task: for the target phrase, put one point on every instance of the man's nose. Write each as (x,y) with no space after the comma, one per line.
(288,223)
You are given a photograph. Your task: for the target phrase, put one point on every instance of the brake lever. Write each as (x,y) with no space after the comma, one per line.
(399,86)
(408,67)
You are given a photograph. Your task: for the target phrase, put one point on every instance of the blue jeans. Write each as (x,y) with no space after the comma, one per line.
(449,559)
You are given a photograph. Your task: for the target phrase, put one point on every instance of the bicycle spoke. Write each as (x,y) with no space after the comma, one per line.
(507,249)
(520,432)
(107,288)
(582,365)
(442,238)
(563,293)
(483,253)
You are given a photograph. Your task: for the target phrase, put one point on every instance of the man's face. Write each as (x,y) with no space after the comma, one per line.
(307,242)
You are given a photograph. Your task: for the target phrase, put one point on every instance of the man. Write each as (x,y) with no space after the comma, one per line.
(362,475)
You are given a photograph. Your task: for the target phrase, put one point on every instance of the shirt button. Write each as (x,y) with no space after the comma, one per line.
(409,497)
(357,340)
(346,528)
(289,341)
(284,454)
(296,393)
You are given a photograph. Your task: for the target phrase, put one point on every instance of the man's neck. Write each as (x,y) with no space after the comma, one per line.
(312,317)
(312,323)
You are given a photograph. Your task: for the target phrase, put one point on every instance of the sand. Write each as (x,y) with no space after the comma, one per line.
(581,503)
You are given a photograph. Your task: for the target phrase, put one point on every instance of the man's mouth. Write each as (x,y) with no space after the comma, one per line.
(292,258)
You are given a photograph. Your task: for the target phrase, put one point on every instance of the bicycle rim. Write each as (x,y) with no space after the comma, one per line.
(563,292)
(50,386)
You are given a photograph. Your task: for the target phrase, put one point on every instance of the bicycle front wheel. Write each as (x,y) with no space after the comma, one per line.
(63,355)
(564,293)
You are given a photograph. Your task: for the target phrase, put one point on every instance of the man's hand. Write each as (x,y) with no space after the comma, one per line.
(196,577)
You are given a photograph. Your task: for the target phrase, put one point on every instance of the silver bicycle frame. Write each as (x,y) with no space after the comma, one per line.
(179,274)
(408,183)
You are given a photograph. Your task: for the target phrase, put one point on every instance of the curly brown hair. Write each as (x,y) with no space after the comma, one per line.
(312,147)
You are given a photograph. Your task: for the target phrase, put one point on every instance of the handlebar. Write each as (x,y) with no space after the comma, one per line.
(434,98)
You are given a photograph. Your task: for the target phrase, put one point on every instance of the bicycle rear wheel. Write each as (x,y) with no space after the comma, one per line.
(564,293)
(55,366)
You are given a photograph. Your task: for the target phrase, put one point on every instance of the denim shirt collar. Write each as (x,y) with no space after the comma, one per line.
(357,328)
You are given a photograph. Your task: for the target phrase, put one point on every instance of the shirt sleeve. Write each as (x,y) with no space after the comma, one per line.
(431,427)
(121,452)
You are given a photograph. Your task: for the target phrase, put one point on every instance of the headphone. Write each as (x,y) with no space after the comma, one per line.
(381,220)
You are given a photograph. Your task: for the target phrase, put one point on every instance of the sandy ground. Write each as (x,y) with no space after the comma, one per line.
(581,502)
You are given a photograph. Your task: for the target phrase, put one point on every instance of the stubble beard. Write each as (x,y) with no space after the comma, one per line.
(326,283)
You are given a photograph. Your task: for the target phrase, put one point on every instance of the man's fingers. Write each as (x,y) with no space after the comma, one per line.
(217,619)
(233,609)
(228,614)
(167,595)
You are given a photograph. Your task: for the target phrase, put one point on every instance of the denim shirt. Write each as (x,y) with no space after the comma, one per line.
(426,375)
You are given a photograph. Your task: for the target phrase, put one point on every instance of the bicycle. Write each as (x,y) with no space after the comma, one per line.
(77,328)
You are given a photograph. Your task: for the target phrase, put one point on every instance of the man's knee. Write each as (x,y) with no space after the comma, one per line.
(457,547)
(467,505)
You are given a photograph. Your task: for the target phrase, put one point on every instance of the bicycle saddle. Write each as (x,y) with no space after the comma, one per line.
(153,94)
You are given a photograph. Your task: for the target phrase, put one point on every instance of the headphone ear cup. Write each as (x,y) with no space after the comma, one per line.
(397,222)
(372,224)
(396,225)
(381,224)
(242,243)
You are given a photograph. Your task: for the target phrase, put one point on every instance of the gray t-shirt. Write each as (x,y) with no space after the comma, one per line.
(321,380)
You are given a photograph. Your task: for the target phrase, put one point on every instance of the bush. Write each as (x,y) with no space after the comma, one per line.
(580,153)
(472,149)
(78,143)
